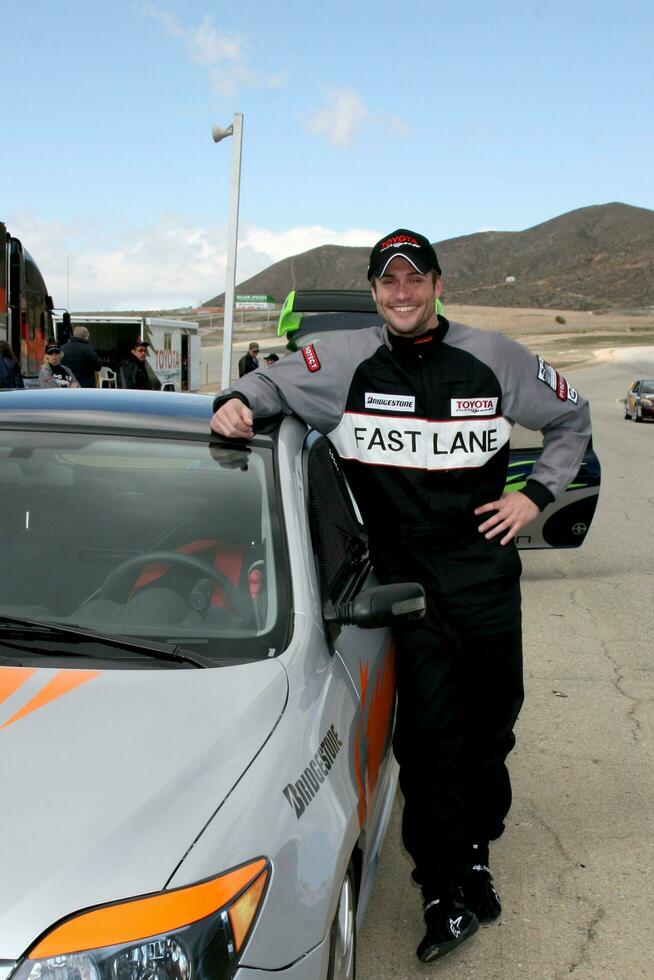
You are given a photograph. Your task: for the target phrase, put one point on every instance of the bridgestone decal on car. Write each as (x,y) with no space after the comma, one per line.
(301,793)
(420,443)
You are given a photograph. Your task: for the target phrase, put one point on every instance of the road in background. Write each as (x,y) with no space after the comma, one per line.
(574,866)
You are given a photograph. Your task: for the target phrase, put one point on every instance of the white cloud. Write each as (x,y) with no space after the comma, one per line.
(341,116)
(223,55)
(396,126)
(168,265)
(279,245)
(165,18)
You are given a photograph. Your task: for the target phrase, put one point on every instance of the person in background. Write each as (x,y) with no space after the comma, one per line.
(10,373)
(135,372)
(250,361)
(81,358)
(53,374)
(270,359)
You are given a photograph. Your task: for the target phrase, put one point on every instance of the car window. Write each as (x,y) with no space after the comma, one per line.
(339,538)
(647,388)
(173,540)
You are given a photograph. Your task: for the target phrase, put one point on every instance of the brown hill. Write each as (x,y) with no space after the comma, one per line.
(599,257)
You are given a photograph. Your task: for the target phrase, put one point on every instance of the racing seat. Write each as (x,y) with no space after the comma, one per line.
(210,517)
(227,542)
(226,558)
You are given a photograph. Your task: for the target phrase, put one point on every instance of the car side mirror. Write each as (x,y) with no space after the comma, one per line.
(380,606)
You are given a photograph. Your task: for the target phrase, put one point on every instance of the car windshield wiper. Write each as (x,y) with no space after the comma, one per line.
(24,628)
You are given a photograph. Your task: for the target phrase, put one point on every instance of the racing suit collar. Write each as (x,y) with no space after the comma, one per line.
(407,345)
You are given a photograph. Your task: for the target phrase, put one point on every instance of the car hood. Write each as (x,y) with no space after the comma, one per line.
(108,777)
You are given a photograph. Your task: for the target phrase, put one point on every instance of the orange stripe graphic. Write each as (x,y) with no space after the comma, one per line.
(374,729)
(61,683)
(11,678)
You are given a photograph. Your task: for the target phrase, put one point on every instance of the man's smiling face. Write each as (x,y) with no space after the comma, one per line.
(406,299)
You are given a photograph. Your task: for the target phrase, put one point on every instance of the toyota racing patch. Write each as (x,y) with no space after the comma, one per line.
(551,377)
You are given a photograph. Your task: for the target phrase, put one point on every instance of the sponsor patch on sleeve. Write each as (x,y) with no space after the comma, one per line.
(551,377)
(311,358)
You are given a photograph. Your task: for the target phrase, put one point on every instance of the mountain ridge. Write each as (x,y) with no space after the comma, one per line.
(596,257)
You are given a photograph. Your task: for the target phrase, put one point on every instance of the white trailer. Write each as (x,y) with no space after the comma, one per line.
(174,344)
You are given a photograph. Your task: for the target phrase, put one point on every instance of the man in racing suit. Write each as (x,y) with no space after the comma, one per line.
(421,411)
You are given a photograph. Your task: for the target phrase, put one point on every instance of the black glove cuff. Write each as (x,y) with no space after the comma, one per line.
(538,494)
(226,396)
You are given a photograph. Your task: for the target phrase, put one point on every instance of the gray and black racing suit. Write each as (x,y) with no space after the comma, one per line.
(422,426)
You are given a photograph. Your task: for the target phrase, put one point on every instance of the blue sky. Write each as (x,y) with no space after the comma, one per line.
(359,118)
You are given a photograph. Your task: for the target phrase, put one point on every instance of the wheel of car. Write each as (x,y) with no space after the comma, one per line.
(635,416)
(122,576)
(343,936)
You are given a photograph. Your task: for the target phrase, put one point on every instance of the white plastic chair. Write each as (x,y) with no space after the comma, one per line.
(107,378)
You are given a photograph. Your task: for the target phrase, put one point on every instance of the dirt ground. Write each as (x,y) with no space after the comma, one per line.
(578,341)
(584,339)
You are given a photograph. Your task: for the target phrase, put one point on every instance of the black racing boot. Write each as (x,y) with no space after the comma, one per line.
(478,888)
(449,923)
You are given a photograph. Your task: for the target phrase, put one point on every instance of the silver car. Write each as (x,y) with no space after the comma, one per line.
(196,696)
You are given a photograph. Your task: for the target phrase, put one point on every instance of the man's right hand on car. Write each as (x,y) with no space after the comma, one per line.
(233,419)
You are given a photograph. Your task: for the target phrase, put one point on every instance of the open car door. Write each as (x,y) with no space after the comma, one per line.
(565,522)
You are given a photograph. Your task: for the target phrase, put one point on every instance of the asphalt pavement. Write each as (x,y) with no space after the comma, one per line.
(574,868)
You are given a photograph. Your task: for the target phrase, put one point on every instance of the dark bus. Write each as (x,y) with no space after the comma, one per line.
(25,306)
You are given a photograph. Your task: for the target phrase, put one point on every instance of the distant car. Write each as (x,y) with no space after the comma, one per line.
(639,403)
(196,695)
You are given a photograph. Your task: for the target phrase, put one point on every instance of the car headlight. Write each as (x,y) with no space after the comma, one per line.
(193,933)
(646,401)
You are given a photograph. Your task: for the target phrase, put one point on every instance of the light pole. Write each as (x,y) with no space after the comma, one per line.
(218,133)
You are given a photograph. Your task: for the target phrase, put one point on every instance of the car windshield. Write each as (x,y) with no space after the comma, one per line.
(156,539)
(647,388)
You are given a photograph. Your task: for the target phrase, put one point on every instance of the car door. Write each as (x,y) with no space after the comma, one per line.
(566,521)
(341,551)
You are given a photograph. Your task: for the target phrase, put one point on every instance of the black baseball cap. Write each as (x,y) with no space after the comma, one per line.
(413,247)
(141,343)
(53,349)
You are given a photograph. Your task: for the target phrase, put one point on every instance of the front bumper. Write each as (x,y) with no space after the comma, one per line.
(313,966)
